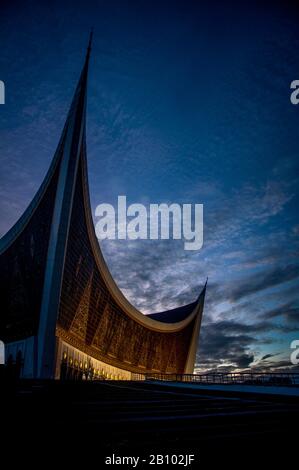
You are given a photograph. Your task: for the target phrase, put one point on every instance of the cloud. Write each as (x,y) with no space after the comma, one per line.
(221,346)
(264,280)
(154,275)
(275,366)
(287,311)
(268,356)
(232,344)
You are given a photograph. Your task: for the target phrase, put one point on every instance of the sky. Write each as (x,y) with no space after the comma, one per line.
(188,102)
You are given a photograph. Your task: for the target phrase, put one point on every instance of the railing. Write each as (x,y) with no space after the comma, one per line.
(240,378)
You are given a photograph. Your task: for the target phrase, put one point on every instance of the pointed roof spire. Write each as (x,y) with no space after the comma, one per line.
(76,113)
(70,152)
(82,84)
(90,41)
(88,51)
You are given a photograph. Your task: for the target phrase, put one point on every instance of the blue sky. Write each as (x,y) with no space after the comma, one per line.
(187,102)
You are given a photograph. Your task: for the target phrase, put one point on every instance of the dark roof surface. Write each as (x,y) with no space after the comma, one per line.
(174,315)
(179,313)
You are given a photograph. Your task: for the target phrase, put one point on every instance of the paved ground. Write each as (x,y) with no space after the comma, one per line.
(139,417)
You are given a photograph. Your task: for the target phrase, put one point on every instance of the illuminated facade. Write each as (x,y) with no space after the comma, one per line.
(62,313)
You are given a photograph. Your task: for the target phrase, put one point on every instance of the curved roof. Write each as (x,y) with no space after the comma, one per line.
(174,321)
(174,315)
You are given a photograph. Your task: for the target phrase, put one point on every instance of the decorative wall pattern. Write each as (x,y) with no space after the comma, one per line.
(22,268)
(91,317)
